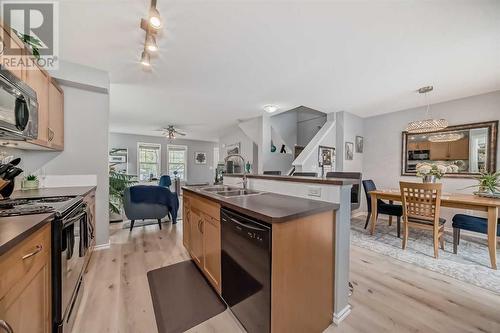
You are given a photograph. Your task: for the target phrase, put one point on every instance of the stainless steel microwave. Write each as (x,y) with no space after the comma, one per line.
(18,108)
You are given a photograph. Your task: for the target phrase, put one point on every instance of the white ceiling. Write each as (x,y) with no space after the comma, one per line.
(220,61)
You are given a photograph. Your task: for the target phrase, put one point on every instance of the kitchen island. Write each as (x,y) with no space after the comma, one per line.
(301,250)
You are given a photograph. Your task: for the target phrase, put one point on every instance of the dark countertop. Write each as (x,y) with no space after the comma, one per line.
(15,229)
(269,207)
(52,192)
(297,179)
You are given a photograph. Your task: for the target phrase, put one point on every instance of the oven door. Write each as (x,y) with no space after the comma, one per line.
(72,260)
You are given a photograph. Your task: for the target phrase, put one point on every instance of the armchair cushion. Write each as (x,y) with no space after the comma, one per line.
(149,194)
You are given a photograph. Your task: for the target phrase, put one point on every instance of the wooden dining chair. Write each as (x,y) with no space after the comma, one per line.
(421,206)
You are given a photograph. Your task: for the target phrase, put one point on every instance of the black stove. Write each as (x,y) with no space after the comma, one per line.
(16,207)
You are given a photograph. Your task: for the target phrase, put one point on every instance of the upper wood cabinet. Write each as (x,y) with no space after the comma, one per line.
(56,116)
(424,145)
(25,284)
(38,80)
(15,63)
(454,150)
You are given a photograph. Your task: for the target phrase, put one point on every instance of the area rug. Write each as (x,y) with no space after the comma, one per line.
(182,298)
(470,265)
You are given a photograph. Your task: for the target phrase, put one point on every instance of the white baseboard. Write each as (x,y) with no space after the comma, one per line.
(102,246)
(341,315)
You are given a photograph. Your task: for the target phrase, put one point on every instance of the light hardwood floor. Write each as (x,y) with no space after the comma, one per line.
(389,295)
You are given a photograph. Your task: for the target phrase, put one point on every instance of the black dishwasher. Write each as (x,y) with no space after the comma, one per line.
(246,270)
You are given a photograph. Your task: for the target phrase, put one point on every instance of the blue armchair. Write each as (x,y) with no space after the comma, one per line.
(165,181)
(149,202)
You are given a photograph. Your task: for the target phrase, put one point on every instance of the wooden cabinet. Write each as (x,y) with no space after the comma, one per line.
(212,250)
(13,55)
(25,284)
(424,145)
(186,212)
(201,228)
(454,150)
(196,231)
(89,200)
(56,116)
(38,80)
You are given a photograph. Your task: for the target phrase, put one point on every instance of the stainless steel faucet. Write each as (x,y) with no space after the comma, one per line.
(244,164)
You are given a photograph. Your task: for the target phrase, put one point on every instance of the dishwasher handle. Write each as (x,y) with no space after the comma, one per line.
(247,226)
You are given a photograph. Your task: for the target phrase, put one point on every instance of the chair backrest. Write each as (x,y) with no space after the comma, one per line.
(421,201)
(165,181)
(355,191)
(369,185)
(276,173)
(305,174)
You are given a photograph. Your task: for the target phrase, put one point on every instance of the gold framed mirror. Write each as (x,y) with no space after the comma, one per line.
(468,149)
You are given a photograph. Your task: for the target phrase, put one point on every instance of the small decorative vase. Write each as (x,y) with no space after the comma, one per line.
(30,184)
(429,179)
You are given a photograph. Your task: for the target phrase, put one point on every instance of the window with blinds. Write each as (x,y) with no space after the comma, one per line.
(177,161)
(148,161)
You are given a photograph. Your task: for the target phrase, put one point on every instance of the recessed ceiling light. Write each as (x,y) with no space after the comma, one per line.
(270,108)
(145,59)
(154,18)
(151,43)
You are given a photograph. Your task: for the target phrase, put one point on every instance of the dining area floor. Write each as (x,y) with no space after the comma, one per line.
(389,295)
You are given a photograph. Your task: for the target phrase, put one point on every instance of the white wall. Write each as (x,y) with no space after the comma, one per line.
(196,173)
(348,126)
(234,135)
(309,122)
(382,157)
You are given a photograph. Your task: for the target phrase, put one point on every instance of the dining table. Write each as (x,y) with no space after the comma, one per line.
(452,200)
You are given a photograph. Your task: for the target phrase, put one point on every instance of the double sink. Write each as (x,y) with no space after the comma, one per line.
(229,191)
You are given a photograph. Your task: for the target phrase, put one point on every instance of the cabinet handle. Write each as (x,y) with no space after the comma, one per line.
(38,249)
(6,327)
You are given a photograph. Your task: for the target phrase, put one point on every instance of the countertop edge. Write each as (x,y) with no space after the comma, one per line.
(312,180)
(327,206)
(26,194)
(6,247)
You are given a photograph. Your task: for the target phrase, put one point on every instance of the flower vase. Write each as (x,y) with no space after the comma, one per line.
(429,179)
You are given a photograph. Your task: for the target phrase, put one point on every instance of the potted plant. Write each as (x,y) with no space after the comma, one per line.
(118,182)
(30,182)
(430,173)
(488,183)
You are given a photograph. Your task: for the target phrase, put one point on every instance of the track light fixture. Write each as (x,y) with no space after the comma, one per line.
(152,25)
(151,45)
(145,59)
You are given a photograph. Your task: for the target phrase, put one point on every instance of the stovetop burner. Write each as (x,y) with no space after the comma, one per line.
(59,205)
(26,210)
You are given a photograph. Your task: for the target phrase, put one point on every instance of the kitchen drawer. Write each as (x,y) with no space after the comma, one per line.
(18,272)
(208,207)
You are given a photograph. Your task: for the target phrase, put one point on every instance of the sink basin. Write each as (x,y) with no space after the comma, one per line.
(237,193)
(219,188)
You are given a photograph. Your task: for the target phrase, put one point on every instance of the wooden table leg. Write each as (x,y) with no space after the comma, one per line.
(374,213)
(492,235)
(390,216)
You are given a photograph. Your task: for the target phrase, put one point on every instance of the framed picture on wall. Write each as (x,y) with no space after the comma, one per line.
(359,144)
(200,157)
(233,148)
(349,151)
(326,156)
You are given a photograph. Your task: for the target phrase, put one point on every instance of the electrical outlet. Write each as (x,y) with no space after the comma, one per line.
(314,191)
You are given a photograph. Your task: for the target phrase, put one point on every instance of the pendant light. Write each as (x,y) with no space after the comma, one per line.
(429,124)
(445,137)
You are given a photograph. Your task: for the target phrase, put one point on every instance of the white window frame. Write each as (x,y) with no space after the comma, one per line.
(139,144)
(179,147)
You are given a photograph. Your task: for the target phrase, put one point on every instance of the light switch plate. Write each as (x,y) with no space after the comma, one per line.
(314,191)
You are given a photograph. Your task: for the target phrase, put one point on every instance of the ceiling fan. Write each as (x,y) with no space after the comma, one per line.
(171,132)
